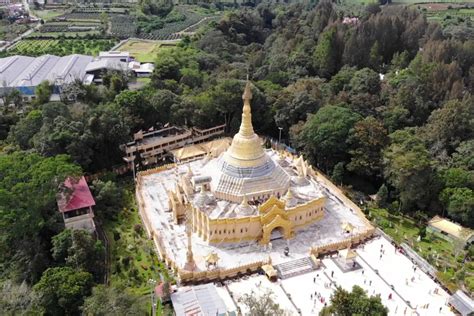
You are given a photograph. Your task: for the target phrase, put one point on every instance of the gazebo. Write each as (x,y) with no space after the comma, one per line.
(270,272)
(347,227)
(212,259)
(348,254)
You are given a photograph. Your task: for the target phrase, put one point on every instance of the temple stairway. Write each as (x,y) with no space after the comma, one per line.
(295,267)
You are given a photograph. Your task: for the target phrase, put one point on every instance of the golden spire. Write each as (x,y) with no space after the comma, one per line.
(246,128)
(246,149)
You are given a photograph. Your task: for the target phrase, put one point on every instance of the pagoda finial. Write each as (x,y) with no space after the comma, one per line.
(247,95)
(246,128)
(245,202)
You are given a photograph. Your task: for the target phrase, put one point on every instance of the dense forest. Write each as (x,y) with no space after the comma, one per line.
(382,102)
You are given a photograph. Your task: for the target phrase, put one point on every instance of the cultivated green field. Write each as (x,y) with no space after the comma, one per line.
(60,47)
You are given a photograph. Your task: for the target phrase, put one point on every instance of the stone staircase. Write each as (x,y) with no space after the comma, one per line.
(295,267)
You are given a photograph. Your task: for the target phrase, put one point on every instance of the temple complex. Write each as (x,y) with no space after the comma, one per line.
(242,205)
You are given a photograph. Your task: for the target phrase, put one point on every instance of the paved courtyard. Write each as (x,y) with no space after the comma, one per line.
(328,230)
(309,292)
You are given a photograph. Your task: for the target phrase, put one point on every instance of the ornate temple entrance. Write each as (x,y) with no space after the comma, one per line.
(275,222)
(277,229)
(277,233)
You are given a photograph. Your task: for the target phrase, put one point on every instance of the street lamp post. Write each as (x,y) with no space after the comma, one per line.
(152,296)
(279,134)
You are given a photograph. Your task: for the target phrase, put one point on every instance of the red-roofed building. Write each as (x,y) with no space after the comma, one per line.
(75,202)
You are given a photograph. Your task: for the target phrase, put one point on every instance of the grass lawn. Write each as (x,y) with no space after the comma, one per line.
(133,260)
(142,50)
(144,80)
(437,251)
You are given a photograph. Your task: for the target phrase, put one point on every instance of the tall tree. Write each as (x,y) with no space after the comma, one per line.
(325,53)
(28,210)
(262,305)
(296,101)
(77,249)
(357,302)
(325,133)
(43,92)
(61,290)
(459,202)
(367,139)
(448,126)
(112,301)
(408,167)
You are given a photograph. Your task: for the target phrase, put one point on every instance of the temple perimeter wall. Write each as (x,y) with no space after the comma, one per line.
(221,273)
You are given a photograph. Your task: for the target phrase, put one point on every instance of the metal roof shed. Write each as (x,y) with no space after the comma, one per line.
(11,67)
(462,303)
(199,300)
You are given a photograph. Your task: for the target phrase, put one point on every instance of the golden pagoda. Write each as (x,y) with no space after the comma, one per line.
(246,169)
(247,193)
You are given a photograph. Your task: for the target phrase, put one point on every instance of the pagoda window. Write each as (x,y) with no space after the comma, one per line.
(241,230)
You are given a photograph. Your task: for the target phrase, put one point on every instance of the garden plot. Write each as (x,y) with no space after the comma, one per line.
(141,50)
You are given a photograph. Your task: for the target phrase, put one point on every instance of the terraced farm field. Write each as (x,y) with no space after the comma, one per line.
(60,47)
(142,50)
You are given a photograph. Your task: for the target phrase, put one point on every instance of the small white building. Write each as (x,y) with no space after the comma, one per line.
(449,230)
(115,55)
(141,70)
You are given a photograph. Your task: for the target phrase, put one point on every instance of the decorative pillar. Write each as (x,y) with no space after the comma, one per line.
(190,263)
